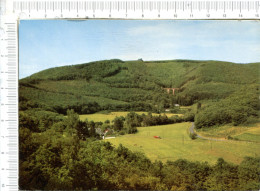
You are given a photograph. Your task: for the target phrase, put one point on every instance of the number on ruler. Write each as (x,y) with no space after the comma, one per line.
(181,5)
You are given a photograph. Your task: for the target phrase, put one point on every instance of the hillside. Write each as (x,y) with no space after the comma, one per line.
(65,112)
(133,85)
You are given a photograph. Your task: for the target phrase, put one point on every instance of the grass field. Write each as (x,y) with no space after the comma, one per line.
(243,132)
(176,144)
(96,117)
(252,134)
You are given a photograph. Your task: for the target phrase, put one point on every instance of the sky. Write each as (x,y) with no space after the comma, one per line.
(51,43)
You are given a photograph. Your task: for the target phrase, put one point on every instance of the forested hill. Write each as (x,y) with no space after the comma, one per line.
(133,85)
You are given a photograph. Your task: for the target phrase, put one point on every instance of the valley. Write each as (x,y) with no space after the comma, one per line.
(175,143)
(148,107)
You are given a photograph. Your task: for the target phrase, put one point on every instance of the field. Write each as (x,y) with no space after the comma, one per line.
(176,144)
(96,117)
(242,132)
(252,134)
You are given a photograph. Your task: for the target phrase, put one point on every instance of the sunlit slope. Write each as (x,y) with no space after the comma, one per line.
(176,144)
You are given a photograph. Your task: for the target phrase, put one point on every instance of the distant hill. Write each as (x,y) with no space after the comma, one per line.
(133,85)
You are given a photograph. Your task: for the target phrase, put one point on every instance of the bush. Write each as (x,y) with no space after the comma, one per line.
(193,136)
(122,132)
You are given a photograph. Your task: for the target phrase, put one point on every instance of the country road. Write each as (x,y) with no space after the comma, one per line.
(201,137)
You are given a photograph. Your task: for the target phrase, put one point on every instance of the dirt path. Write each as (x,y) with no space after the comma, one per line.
(110,137)
(192,131)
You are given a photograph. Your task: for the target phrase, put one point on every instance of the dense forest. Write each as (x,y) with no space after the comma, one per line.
(59,151)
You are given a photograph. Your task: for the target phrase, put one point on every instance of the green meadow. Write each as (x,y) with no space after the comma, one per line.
(175,143)
(243,132)
(252,134)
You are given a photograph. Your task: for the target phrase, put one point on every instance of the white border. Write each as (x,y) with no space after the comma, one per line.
(11,11)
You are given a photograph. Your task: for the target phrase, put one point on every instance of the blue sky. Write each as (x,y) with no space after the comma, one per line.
(50,43)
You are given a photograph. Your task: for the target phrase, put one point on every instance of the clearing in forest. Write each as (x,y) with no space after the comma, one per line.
(175,143)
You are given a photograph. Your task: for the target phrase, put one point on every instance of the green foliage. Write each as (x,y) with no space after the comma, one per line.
(38,120)
(119,123)
(235,109)
(248,173)
(81,71)
(193,136)
(133,85)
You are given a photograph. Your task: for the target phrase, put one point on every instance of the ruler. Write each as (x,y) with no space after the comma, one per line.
(8,100)
(137,9)
(11,11)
